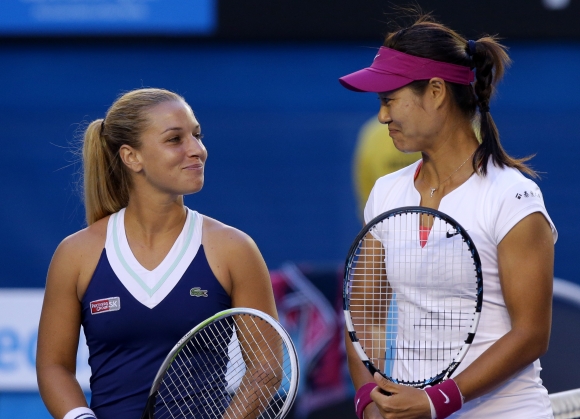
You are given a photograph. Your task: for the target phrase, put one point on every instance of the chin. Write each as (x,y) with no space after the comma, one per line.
(192,189)
(403,148)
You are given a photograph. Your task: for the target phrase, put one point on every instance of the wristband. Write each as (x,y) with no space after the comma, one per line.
(362,398)
(446,398)
(80,413)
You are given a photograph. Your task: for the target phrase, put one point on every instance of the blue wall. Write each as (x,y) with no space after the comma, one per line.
(279,128)
(280,133)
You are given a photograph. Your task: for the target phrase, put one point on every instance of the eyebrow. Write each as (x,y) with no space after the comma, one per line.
(177,129)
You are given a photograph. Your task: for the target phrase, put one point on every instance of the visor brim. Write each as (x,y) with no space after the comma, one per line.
(371,80)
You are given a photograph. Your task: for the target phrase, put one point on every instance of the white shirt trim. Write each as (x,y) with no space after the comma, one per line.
(151,287)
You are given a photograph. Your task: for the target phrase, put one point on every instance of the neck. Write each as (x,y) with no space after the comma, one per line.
(447,162)
(149,216)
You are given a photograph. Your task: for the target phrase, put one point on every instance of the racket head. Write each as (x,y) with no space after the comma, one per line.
(239,363)
(412,296)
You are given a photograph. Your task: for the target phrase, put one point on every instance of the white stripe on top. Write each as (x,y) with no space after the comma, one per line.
(151,287)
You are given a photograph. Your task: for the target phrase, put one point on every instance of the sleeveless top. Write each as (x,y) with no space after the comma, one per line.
(132,317)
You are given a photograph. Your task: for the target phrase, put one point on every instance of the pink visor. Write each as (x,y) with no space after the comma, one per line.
(392,69)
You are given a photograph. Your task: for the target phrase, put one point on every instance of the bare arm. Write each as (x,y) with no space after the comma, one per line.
(58,335)
(369,307)
(238,264)
(526,266)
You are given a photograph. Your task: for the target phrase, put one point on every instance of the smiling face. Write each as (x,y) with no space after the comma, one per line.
(412,118)
(171,157)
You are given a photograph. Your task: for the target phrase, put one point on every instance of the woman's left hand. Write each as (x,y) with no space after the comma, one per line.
(404,402)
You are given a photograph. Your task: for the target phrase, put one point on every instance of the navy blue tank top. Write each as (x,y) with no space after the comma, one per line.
(128,340)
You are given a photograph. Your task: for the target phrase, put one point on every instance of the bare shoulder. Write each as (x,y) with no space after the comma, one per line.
(238,264)
(86,240)
(76,257)
(227,237)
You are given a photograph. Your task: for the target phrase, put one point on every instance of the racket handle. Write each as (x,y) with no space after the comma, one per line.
(386,393)
(373,370)
(148,413)
(362,398)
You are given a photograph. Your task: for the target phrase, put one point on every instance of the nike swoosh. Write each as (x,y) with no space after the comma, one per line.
(445,395)
(449,235)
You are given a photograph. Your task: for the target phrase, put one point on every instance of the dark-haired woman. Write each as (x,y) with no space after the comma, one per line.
(432,84)
(146,269)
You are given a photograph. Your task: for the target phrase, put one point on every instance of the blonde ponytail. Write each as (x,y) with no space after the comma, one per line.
(103,193)
(106,181)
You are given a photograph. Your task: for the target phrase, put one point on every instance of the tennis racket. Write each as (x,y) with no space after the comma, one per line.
(412,295)
(240,363)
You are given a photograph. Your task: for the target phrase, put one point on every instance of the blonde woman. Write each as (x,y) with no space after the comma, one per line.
(146,269)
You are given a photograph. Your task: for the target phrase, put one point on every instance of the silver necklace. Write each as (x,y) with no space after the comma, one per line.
(449,177)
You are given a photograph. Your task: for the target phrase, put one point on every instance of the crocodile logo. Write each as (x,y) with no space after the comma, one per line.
(198,292)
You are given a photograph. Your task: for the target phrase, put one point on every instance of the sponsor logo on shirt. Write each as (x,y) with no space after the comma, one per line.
(198,292)
(105,305)
(528,194)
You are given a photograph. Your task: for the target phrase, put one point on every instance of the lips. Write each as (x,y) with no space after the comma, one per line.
(195,166)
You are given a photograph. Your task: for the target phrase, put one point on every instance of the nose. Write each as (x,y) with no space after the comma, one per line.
(383,116)
(195,148)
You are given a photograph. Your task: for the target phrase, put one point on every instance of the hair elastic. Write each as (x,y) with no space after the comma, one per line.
(471,47)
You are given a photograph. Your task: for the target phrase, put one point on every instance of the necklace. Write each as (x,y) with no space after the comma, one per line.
(449,177)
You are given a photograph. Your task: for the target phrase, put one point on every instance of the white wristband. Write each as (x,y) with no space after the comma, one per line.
(80,413)
(433,412)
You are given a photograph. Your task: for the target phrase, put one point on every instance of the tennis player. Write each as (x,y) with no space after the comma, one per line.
(147,269)
(432,84)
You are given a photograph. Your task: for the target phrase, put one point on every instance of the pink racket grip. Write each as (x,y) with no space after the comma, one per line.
(362,398)
(446,398)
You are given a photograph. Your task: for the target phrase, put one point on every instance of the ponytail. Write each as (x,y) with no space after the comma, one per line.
(106,183)
(490,60)
(106,180)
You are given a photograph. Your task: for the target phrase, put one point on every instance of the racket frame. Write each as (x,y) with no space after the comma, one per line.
(445,374)
(292,355)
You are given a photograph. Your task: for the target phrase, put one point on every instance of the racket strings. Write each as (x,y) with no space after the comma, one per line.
(237,367)
(412,295)
(176,389)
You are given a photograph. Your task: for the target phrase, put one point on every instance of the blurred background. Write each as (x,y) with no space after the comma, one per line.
(261,77)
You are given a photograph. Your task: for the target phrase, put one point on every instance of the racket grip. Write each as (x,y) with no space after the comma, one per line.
(362,398)
(148,413)
(446,398)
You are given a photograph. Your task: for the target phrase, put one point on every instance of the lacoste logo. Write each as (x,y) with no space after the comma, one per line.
(450,234)
(198,292)
(105,305)
(445,395)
